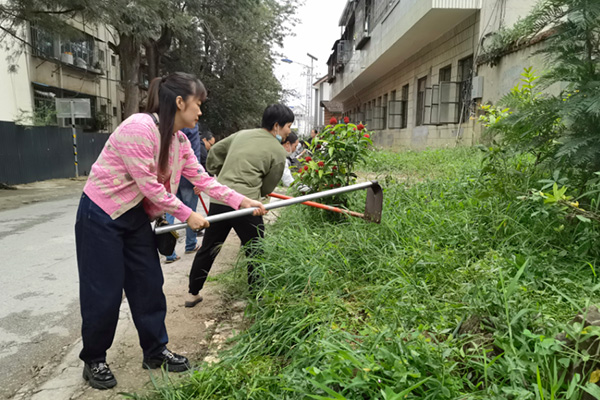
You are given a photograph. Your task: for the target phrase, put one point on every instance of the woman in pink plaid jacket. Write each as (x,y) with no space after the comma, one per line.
(132,183)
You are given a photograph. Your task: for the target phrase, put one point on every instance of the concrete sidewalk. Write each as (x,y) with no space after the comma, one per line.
(198,332)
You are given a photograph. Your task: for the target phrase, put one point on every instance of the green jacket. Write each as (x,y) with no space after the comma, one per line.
(251,162)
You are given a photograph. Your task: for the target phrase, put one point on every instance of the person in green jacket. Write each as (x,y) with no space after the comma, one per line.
(250,162)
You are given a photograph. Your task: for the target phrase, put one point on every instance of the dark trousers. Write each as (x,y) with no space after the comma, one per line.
(250,229)
(112,256)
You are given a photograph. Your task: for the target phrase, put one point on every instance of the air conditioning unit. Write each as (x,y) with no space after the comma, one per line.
(344,50)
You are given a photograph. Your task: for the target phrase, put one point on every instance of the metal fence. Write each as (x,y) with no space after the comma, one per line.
(36,153)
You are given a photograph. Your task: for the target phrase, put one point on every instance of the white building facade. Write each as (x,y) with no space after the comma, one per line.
(408,68)
(50,66)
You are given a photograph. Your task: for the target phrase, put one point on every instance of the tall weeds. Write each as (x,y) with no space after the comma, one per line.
(458,294)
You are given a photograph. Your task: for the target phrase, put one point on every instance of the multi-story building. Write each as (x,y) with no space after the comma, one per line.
(409,68)
(80,65)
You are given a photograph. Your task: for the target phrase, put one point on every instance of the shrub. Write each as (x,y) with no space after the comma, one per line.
(335,152)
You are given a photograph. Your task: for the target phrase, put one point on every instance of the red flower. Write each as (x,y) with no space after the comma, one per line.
(307,159)
(306,167)
(331,174)
(367,135)
(318,146)
(346,120)
(354,128)
(360,127)
(333,121)
(338,184)
(321,164)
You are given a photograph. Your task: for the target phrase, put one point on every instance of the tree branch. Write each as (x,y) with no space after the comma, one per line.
(14,35)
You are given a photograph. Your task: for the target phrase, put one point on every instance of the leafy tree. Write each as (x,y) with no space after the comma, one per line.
(229,46)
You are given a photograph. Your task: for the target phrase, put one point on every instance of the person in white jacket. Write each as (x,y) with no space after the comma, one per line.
(289,144)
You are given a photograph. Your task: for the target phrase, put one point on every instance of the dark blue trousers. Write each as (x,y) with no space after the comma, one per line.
(112,256)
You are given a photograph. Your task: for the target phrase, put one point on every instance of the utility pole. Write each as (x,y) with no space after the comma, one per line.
(308,112)
(309,91)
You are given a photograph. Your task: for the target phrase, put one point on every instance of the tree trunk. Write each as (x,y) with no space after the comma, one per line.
(129,54)
(155,49)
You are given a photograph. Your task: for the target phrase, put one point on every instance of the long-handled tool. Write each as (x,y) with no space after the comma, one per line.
(373,207)
(319,205)
(203,205)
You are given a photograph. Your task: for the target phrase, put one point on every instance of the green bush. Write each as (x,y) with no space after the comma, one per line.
(335,153)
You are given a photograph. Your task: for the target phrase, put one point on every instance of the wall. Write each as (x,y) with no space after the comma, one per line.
(16,92)
(457,43)
(30,154)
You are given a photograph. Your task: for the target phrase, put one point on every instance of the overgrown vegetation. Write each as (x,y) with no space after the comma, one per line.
(562,131)
(460,293)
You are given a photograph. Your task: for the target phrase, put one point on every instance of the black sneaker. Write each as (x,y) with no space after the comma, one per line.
(99,375)
(171,361)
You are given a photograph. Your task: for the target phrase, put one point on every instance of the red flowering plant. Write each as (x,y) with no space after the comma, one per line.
(334,154)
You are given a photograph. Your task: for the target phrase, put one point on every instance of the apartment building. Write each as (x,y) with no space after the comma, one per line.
(80,65)
(409,68)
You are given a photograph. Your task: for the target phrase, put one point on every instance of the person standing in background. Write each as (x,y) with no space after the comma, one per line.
(251,161)
(186,194)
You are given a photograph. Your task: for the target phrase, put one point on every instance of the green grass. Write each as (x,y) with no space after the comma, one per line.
(457,294)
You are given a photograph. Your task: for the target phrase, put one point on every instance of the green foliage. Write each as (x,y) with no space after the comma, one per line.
(229,47)
(562,131)
(545,14)
(525,120)
(459,293)
(336,151)
(44,116)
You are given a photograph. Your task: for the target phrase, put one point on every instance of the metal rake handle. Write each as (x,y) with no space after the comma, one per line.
(278,204)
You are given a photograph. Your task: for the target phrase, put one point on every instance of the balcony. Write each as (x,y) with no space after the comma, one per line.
(396,31)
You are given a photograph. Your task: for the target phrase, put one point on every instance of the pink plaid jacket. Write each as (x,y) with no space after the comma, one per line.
(125,173)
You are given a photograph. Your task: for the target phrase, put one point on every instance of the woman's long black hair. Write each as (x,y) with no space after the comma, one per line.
(162,95)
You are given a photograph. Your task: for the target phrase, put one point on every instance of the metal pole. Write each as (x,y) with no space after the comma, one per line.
(270,206)
(74,138)
(310,114)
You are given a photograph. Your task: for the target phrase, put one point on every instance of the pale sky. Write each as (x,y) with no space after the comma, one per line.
(315,34)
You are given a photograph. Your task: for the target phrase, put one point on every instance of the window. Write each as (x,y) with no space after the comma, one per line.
(378,115)
(113,60)
(369,115)
(44,104)
(114,111)
(43,43)
(82,50)
(394,112)
(421,83)
(404,106)
(398,109)
(446,74)
(465,74)
(384,104)
(368,16)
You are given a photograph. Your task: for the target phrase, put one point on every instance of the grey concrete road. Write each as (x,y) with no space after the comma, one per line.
(39,312)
